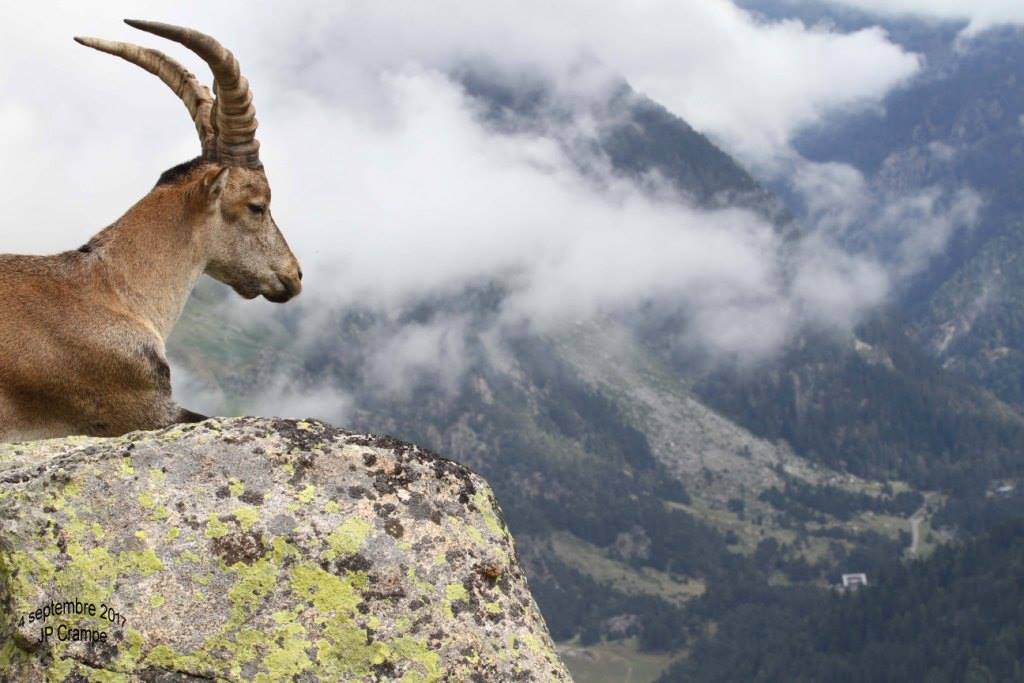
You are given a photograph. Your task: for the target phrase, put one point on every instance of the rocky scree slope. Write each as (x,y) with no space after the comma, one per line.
(258,550)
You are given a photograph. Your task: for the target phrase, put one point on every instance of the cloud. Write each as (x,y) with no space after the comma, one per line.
(979,14)
(749,84)
(394,191)
(899,229)
(283,396)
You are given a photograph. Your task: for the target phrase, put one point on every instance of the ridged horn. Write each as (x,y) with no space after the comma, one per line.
(195,95)
(234,117)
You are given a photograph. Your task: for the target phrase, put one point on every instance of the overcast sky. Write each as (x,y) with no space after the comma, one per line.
(69,114)
(389,187)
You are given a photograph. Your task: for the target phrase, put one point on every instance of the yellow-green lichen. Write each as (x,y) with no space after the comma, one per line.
(11,656)
(306,495)
(347,538)
(285,616)
(164,657)
(483,503)
(247,516)
(421,586)
(104,676)
(426,662)
(56,501)
(252,585)
(235,487)
(216,528)
(254,582)
(345,653)
(474,535)
(143,562)
(329,594)
(453,592)
(26,570)
(129,650)
(74,529)
(287,656)
(59,670)
(159,513)
(248,642)
(90,574)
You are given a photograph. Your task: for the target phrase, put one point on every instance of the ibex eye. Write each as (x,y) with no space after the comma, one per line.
(257,208)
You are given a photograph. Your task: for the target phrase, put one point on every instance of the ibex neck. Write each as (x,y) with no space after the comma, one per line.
(152,257)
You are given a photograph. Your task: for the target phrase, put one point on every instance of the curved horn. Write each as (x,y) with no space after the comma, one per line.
(234,117)
(196,96)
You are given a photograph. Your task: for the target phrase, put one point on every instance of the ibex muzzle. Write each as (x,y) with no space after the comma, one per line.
(82,333)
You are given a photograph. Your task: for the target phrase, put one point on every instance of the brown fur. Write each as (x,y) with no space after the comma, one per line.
(82,333)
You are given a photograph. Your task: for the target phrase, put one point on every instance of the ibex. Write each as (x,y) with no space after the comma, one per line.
(82,333)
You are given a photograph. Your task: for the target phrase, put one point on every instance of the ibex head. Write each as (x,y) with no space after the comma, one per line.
(228,192)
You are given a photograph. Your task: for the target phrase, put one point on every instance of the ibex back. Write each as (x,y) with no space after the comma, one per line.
(82,333)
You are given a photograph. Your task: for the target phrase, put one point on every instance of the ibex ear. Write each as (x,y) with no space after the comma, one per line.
(214,183)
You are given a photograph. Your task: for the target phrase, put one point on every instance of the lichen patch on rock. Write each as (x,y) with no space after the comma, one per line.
(258,550)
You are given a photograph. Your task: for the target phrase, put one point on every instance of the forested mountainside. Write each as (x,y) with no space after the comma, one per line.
(651,493)
(967,308)
(974,322)
(875,406)
(638,137)
(953,617)
(958,123)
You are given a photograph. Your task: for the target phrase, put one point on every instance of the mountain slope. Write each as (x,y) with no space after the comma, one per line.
(877,406)
(638,137)
(975,321)
(959,123)
(650,494)
(954,617)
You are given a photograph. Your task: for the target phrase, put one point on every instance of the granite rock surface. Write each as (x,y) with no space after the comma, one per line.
(253,549)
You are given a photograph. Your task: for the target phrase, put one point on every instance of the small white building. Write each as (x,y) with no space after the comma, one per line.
(854,581)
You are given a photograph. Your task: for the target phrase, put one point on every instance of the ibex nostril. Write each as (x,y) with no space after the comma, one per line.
(291,285)
(300,273)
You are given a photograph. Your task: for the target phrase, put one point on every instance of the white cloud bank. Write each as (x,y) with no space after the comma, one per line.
(390,188)
(751,85)
(69,115)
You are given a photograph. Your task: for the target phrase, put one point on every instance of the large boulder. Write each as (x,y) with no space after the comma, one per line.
(258,550)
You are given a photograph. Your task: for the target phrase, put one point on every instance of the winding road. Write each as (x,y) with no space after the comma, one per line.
(915,533)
